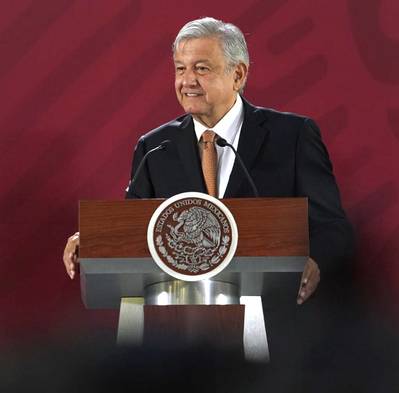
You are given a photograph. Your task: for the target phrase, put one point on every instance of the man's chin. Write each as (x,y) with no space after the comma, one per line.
(193,106)
(196,112)
(192,110)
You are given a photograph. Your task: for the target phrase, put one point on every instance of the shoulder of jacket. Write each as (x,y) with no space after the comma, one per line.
(166,128)
(276,115)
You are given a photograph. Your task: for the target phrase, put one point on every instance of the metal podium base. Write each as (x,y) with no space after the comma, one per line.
(196,292)
(206,292)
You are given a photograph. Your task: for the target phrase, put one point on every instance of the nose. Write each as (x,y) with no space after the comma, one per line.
(189,78)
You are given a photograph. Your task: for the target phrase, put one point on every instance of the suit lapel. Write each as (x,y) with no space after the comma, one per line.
(187,147)
(251,140)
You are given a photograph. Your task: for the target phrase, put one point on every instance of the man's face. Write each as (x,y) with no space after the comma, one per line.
(203,86)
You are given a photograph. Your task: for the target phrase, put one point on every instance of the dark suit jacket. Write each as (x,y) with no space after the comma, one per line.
(285,156)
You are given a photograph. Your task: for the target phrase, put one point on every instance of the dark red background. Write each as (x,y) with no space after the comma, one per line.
(81,80)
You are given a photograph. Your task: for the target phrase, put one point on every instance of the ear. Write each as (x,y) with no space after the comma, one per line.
(240,76)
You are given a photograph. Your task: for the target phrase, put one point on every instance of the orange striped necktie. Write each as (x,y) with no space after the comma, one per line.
(209,161)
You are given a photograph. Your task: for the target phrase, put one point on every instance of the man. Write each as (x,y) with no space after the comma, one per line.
(283,152)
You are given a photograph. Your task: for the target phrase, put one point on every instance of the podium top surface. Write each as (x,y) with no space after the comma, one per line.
(266,227)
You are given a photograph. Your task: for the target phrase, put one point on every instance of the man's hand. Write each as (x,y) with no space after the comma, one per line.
(309,281)
(71,255)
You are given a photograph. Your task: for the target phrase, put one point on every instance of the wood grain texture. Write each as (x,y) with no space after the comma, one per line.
(266,227)
(187,325)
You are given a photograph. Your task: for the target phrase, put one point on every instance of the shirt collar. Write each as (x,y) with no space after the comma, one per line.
(228,125)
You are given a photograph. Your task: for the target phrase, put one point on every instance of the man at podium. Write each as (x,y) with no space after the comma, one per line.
(283,152)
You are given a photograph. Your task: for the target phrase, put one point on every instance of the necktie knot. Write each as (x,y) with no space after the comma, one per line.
(208,136)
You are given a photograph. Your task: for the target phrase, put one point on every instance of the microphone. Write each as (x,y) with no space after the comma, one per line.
(161,146)
(223,143)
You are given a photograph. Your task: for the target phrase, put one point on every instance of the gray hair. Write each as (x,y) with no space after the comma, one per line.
(230,37)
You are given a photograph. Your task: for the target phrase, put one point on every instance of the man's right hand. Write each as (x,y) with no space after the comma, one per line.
(71,255)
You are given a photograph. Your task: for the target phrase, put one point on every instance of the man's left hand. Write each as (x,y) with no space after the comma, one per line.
(309,281)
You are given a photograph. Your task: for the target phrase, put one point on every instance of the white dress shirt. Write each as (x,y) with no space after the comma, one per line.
(229,128)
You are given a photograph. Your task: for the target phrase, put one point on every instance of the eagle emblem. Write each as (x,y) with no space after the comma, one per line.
(192,236)
(195,240)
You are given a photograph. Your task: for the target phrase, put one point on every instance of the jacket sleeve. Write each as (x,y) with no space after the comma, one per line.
(331,234)
(142,187)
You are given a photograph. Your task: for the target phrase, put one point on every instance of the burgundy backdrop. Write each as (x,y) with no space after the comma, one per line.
(81,80)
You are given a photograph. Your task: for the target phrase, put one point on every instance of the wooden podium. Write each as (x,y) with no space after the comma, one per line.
(118,272)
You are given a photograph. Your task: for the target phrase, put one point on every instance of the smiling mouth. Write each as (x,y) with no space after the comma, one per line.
(192,94)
